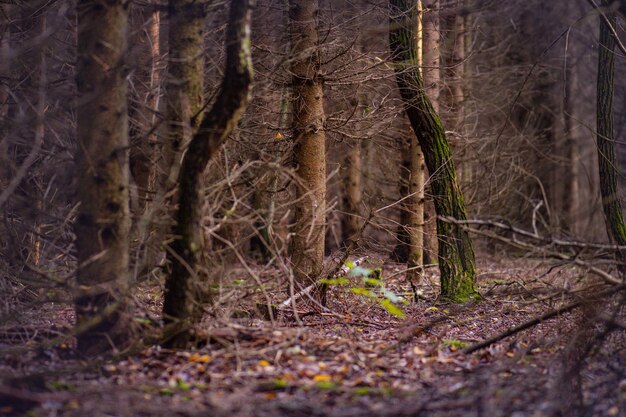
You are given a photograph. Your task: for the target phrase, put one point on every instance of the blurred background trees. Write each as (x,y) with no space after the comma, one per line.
(514,85)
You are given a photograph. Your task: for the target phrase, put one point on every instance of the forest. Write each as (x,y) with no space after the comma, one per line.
(328,208)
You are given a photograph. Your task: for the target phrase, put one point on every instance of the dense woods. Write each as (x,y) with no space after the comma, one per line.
(382,207)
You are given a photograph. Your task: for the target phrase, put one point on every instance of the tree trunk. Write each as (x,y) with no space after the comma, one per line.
(188,245)
(352,195)
(309,148)
(456,255)
(415,203)
(431,74)
(571,153)
(103,221)
(184,86)
(264,197)
(607,162)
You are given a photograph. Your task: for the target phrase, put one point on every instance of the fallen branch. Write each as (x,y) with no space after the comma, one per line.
(533,322)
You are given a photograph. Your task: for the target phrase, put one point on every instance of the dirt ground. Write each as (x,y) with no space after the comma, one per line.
(355,359)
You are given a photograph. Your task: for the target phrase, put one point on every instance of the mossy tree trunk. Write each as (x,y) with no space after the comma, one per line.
(184,254)
(456,255)
(605,137)
(309,147)
(102,225)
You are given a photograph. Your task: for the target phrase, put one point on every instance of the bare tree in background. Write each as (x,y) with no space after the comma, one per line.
(103,222)
(456,254)
(181,286)
(607,162)
(310,147)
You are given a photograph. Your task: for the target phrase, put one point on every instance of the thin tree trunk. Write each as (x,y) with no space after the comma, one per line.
(188,246)
(5,71)
(572,165)
(456,255)
(352,195)
(431,74)
(264,198)
(415,203)
(102,225)
(309,148)
(605,138)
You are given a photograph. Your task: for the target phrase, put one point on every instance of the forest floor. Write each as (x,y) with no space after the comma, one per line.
(355,359)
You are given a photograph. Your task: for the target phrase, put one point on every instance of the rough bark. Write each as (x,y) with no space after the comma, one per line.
(456,255)
(146,97)
(184,254)
(431,74)
(309,147)
(184,86)
(103,220)
(415,203)
(607,162)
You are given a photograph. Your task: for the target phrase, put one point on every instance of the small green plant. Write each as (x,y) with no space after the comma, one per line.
(372,287)
(455,344)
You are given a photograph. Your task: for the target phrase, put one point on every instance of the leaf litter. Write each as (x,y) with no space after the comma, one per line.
(359,360)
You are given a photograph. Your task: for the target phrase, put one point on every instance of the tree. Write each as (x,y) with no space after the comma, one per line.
(607,163)
(103,221)
(456,254)
(417,174)
(215,126)
(309,143)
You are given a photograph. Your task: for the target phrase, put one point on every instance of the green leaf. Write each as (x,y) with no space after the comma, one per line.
(373,282)
(183,385)
(326,385)
(393,309)
(166,392)
(363,291)
(336,281)
(349,264)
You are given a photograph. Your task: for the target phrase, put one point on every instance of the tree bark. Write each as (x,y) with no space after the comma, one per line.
(456,255)
(431,74)
(188,245)
(103,221)
(607,162)
(415,203)
(309,148)
(352,195)
(184,86)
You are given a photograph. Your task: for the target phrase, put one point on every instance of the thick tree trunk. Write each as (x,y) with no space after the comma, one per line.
(185,252)
(456,255)
(184,86)
(309,148)
(605,138)
(103,221)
